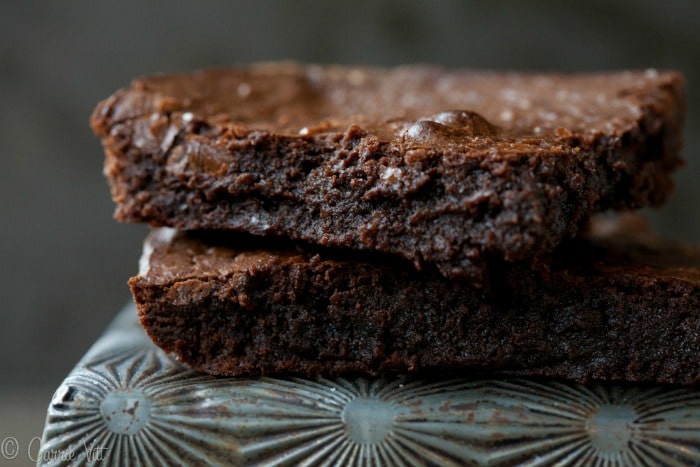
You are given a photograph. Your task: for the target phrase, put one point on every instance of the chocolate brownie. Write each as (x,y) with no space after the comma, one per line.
(448,168)
(615,305)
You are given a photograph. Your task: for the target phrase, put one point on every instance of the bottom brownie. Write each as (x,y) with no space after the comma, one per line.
(614,305)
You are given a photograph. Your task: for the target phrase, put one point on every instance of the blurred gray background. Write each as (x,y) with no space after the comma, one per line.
(65,262)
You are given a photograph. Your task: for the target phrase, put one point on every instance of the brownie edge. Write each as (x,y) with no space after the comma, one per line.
(617,306)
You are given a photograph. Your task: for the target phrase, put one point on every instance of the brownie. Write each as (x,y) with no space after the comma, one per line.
(615,305)
(450,169)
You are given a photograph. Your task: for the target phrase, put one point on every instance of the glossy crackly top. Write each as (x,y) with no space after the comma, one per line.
(419,104)
(626,244)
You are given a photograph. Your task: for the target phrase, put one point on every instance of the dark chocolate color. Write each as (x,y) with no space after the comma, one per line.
(618,306)
(449,168)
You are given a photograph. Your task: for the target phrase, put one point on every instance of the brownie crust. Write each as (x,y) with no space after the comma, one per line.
(447,168)
(617,306)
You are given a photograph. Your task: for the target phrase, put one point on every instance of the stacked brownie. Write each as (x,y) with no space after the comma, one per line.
(319,220)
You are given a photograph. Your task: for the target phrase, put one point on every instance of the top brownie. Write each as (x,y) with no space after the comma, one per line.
(450,169)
